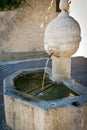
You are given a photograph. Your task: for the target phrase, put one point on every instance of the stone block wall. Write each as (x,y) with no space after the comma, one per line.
(23,29)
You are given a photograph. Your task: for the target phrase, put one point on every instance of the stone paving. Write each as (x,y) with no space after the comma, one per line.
(79,73)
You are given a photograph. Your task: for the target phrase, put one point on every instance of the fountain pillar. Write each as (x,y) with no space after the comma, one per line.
(62,37)
(61,67)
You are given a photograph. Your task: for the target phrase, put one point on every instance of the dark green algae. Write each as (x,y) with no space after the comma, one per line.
(32,84)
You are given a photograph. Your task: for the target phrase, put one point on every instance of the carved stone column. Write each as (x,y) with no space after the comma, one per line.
(62,37)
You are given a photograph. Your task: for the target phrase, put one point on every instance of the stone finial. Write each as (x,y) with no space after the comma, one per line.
(64,5)
(63,34)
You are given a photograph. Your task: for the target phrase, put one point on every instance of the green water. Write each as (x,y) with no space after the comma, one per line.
(32,84)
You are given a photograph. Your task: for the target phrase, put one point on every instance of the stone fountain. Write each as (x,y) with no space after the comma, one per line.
(30,112)
(62,37)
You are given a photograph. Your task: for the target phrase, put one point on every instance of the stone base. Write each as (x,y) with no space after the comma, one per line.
(21,115)
(68,113)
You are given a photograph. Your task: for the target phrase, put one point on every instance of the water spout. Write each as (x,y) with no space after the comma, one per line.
(50,55)
(45,70)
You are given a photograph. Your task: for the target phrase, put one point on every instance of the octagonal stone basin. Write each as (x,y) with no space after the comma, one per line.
(29,112)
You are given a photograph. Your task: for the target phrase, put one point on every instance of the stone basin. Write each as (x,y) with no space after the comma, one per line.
(27,112)
(30,112)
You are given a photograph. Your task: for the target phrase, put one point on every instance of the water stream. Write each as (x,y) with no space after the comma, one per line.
(45,70)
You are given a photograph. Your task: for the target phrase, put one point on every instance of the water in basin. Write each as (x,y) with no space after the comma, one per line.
(32,84)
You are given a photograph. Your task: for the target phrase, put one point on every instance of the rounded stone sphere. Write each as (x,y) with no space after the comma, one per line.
(62,35)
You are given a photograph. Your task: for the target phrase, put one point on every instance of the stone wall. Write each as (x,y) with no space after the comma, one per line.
(23,29)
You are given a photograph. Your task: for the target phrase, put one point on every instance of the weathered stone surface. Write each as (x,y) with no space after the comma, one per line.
(23,116)
(61,67)
(62,35)
(26,32)
(64,114)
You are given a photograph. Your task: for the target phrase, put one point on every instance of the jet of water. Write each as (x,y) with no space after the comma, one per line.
(46,70)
